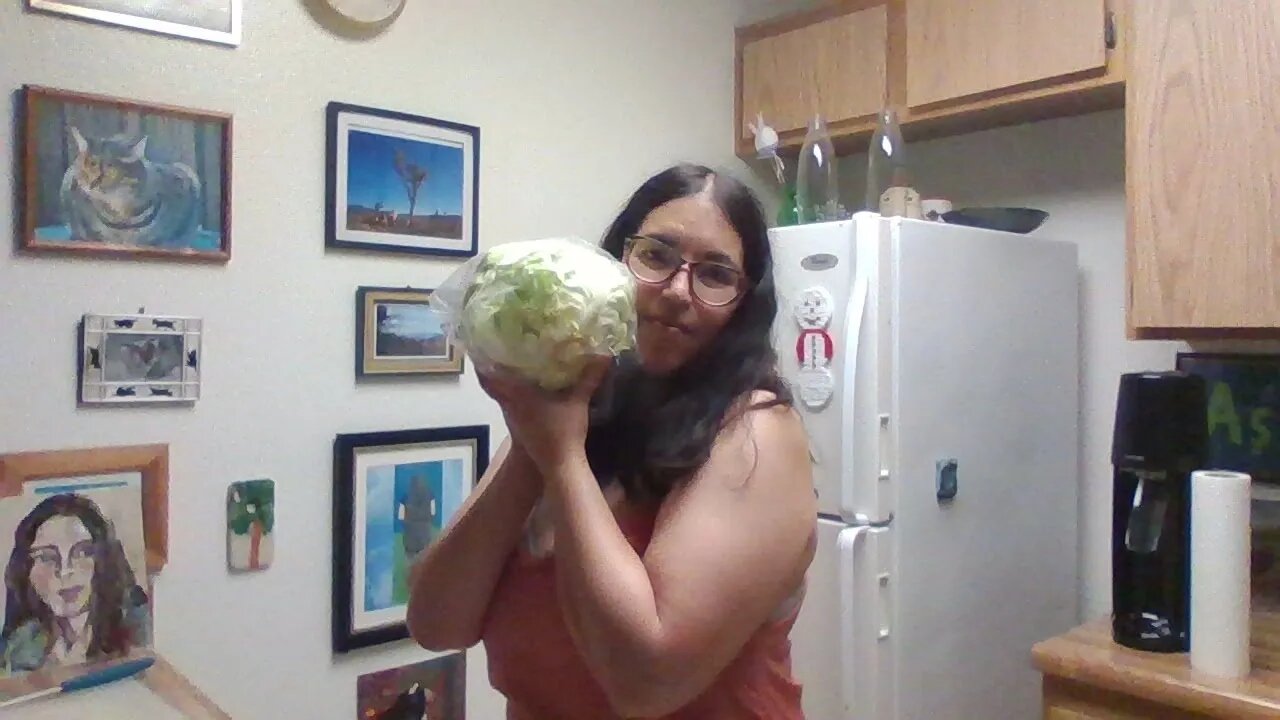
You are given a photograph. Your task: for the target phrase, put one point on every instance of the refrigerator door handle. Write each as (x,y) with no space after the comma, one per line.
(855,676)
(862,520)
(852,335)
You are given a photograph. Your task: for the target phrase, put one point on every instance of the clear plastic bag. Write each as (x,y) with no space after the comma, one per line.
(539,308)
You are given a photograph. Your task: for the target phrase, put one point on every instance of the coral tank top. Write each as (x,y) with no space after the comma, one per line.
(535,664)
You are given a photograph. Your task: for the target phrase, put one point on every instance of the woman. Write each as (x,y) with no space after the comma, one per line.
(70,596)
(645,556)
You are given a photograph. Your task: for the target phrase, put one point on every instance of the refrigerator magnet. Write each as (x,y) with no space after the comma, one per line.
(812,308)
(816,387)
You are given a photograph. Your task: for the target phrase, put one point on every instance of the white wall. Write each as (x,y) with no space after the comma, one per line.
(577,102)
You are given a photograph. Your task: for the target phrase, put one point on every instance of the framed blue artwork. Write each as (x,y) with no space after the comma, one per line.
(1243,410)
(401,183)
(394,492)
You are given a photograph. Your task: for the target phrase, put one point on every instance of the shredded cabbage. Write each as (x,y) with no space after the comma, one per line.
(541,308)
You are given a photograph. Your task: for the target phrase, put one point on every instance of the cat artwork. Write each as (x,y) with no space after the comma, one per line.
(113,194)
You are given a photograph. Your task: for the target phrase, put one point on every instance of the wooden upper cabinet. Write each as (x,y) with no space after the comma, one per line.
(1203,168)
(830,62)
(961,48)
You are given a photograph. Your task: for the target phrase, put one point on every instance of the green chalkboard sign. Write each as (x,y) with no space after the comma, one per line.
(1243,410)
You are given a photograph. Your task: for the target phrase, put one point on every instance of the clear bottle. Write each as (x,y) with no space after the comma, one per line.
(886,159)
(817,185)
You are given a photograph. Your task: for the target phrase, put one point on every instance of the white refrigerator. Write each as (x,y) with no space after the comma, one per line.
(936,369)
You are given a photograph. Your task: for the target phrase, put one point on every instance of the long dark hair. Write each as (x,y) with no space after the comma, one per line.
(113,581)
(651,433)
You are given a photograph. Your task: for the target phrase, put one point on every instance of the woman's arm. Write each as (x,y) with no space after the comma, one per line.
(451,583)
(729,547)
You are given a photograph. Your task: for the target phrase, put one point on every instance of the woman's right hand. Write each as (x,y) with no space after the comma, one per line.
(452,581)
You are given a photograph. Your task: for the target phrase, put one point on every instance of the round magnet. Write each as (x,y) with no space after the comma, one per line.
(814,348)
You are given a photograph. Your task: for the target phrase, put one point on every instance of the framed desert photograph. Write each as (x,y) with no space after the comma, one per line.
(110,177)
(434,689)
(216,21)
(393,494)
(398,333)
(129,359)
(82,532)
(401,183)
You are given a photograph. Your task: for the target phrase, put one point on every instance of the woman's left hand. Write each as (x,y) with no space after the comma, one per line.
(551,427)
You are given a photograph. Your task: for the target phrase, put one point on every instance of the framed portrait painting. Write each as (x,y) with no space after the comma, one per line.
(130,359)
(82,532)
(401,183)
(394,492)
(217,21)
(110,177)
(398,333)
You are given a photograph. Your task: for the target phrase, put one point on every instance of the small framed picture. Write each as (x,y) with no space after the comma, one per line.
(394,492)
(127,359)
(401,183)
(434,689)
(399,333)
(251,521)
(217,21)
(115,178)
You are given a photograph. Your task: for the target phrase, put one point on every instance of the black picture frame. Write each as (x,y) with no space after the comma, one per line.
(347,633)
(370,364)
(340,234)
(1250,383)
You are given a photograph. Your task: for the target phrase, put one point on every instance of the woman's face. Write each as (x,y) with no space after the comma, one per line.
(62,564)
(674,324)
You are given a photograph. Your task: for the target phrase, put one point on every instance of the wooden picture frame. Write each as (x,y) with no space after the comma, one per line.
(399,334)
(185,217)
(393,492)
(401,183)
(151,461)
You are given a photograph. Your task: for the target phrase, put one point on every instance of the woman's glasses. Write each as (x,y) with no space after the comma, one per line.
(655,262)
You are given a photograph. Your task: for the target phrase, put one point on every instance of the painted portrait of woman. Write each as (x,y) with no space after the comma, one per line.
(70,594)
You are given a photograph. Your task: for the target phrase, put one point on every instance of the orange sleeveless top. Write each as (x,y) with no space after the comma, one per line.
(534,663)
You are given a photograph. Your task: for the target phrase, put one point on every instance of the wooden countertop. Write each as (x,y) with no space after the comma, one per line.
(1087,655)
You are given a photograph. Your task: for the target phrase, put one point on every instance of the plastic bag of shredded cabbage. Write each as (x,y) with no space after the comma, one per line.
(539,308)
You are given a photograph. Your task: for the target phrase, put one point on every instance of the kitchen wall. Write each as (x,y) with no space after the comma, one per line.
(577,102)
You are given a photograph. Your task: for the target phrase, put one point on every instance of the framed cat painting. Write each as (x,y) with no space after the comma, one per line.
(109,177)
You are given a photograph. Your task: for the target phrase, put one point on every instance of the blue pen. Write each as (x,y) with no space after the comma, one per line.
(90,680)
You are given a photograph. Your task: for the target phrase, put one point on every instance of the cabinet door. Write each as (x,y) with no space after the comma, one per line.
(958,48)
(835,67)
(1203,166)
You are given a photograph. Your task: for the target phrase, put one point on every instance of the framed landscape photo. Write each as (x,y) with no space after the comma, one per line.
(108,177)
(393,493)
(217,21)
(401,183)
(129,359)
(398,333)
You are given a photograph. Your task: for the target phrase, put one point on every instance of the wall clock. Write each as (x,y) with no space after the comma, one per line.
(367,12)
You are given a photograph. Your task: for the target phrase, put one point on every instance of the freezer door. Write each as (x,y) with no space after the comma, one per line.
(841,645)
(985,437)
(838,264)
